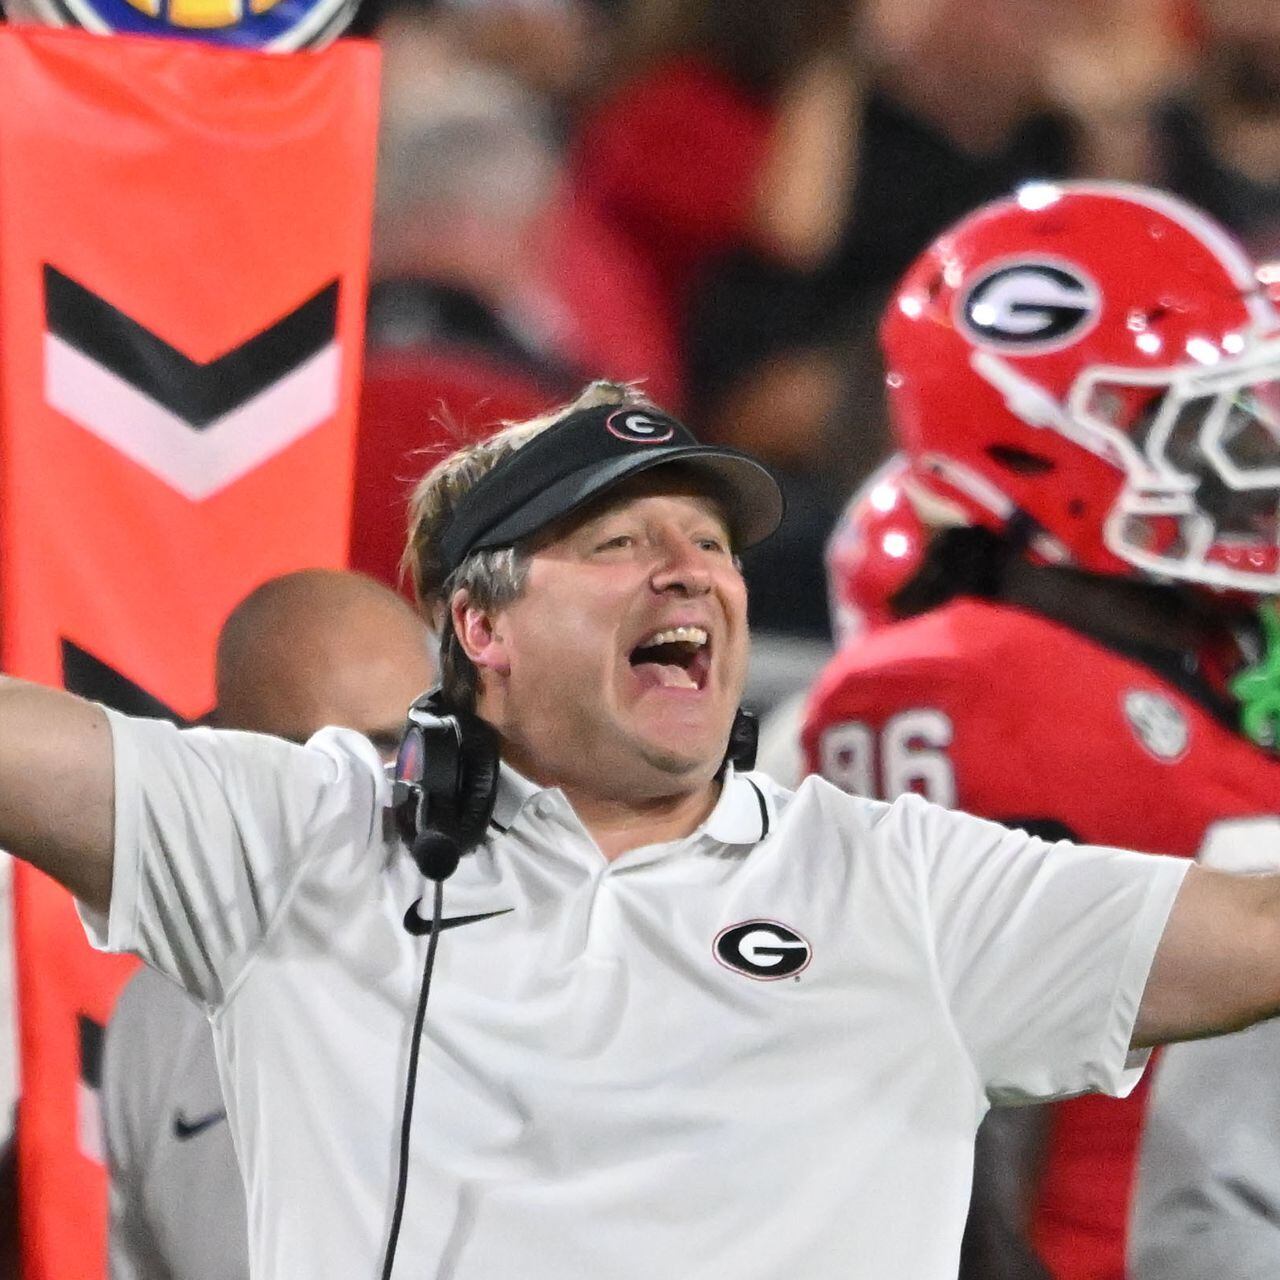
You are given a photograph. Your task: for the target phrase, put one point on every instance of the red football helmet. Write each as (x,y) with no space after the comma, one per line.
(1101,359)
(873,551)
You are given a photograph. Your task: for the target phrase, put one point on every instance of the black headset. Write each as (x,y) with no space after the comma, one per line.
(446,779)
(445,785)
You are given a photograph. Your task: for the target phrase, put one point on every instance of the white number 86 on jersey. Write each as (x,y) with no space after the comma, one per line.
(909,754)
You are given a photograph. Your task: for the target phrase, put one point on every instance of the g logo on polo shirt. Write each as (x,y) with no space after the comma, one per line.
(637,427)
(762,949)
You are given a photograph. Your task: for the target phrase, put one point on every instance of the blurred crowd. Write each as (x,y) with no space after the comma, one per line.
(715,198)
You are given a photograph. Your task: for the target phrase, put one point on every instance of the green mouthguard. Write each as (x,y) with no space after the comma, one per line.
(1257,688)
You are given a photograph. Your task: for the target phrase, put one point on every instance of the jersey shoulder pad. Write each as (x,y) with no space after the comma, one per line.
(993,690)
(953,649)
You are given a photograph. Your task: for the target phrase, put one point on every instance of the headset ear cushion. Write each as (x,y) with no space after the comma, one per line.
(479,778)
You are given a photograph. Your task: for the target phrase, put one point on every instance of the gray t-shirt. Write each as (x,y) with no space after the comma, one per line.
(1207,1198)
(177,1199)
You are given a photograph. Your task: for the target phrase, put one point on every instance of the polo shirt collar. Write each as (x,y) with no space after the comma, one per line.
(514,792)
(744,814)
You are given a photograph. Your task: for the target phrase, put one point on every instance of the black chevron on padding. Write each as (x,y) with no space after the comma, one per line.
(90,1035)
(96,680)
(197,393)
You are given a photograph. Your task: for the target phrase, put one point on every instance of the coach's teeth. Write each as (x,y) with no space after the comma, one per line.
(678,635)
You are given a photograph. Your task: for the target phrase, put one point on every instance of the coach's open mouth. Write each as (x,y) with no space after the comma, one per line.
(675,658)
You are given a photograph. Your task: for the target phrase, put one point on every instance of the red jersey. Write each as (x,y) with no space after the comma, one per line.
(1003,713)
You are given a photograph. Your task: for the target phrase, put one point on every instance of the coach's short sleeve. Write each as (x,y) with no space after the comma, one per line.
(213,831)
(1042,950)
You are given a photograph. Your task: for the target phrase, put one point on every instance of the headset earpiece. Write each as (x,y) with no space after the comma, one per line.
(478,746)
(744,738)
(445,784)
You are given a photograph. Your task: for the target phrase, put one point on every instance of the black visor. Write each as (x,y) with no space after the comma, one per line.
(589,452)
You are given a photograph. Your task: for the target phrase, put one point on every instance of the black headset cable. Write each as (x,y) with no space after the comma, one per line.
(411,1084)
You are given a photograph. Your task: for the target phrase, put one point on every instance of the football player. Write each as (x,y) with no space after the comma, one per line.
(1086,381)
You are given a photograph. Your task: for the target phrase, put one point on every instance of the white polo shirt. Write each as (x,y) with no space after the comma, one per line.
(759,1051)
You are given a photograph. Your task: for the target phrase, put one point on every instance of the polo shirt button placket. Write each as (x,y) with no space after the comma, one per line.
(602,924)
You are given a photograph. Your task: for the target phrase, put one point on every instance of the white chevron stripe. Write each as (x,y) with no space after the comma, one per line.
(89,1128)
(196,463)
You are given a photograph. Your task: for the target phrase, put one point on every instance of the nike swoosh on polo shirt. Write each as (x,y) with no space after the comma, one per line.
(184,1128)
(417,926)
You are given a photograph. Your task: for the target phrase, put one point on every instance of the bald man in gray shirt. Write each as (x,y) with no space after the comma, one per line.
(303,651)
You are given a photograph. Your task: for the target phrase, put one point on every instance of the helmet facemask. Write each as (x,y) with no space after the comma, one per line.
(1201,502)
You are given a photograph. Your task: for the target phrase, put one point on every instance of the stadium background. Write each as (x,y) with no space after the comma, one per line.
(712,197)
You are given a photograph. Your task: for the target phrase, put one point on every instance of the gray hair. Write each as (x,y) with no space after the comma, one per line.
(492,579)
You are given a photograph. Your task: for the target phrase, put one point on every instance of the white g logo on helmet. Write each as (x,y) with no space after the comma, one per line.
(1028,306)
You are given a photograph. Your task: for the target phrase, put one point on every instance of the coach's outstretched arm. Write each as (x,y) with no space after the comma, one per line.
(1217,967)
(56,784)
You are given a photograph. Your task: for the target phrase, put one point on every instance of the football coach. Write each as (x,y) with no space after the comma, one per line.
(682,1021)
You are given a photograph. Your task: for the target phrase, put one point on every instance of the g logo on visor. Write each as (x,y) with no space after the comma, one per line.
(1030,306)
(637,427)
